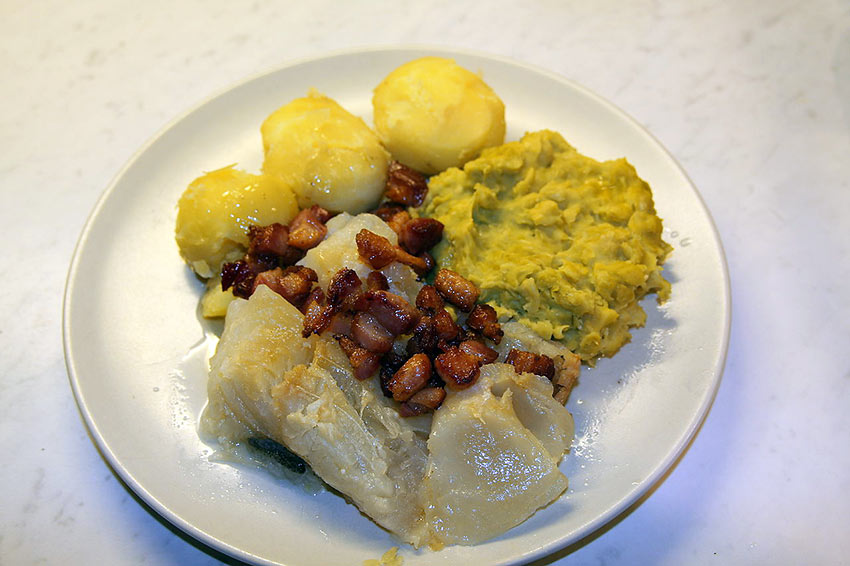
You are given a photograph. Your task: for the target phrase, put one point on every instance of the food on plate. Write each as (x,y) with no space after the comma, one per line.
(410,340)
(389,558)
(339,250)
(327,155)
(216,210)
(348,375)
(266,379)
(560,242)
(433,114)
(443,488)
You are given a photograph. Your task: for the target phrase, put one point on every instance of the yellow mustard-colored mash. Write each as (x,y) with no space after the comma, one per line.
(561,242)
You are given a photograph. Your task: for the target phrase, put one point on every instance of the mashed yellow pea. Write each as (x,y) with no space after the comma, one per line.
(433,114)
(563,243)
(216,209)
(326,154)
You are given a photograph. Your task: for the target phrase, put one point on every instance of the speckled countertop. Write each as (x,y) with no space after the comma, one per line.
(753,99)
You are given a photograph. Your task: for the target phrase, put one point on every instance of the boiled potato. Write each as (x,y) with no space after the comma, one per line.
(215,300)
(215,211)
(433,114)
(326,154)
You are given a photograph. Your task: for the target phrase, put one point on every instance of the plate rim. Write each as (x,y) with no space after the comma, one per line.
(627,502)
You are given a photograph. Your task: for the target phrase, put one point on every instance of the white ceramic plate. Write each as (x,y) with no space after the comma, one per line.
(136,350)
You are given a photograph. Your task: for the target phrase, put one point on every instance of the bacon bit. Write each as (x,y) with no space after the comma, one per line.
(428,300)
(431,397)
(315,297)
(528,362)
(260,262)
(456,289)
(420,234)
(424,337)
(369,333)
(308,228)
(484,319)
(387,211)
(445,325)
(271,239)
(270,279)
(429,261)
(239,276)
(410,377)
(317,316)
(484,354)
(405,185)
(424,400)
(379,252)
(420,264)
(398,221)
(344,291)
(390,363)
(457,368)
(567,369)
(392,311)
(293,283)
(375,250)
(293,255)
(409,409)
(377,281)
(341,324)
(364,362)
(297,280)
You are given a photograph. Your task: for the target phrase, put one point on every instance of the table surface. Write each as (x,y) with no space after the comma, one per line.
(752,98)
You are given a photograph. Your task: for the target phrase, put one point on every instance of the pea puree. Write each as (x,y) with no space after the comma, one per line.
(561,242)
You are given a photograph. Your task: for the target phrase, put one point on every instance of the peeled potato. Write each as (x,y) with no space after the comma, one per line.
(433,114)
(326,154)
(215,211)
(215,300)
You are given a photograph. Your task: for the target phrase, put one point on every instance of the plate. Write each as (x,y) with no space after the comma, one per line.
(136,350)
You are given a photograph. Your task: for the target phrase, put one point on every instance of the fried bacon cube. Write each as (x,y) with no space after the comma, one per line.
(420,234)
(271,239)
(375,250)
(363,362)
(412,376)
(483,353)
(456,289)
(484,319)
(457,368)
(308,228)
(528,362)
(392,311)
(423,401)
(405,186)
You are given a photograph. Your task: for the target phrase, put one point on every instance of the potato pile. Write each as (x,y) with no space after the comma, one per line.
(430,114)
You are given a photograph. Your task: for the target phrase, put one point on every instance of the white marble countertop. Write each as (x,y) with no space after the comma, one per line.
(753,99)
